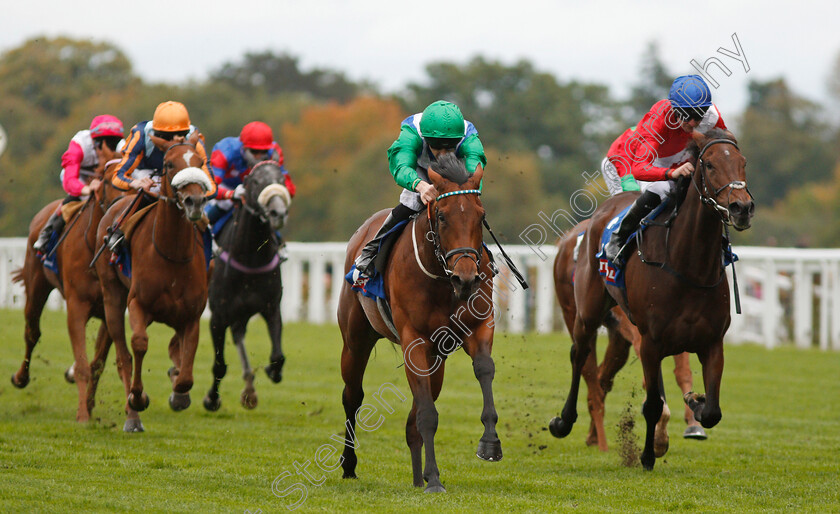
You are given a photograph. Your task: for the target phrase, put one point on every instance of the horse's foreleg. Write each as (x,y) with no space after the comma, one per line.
(652,408)
(584,339)
(174,356)
(139,320)
(37,292)
(212,402)
(248,398)
(78,313)
(274,320)
(706,407)
(479,346)
(180,397)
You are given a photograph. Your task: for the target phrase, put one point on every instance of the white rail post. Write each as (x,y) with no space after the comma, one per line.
(835,305)
(770,293)
(544,295)
(803,296)
(292,284)
(825,297)
(337,284)
(317,295)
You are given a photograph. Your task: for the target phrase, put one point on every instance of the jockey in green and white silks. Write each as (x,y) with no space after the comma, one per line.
(440,128)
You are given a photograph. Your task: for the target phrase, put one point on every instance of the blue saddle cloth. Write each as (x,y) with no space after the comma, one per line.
(375,286)
(613,274)
(123,257)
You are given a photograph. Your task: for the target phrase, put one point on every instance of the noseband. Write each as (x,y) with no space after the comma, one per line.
(434,237)
(709,198)
(259,210)
(163,197)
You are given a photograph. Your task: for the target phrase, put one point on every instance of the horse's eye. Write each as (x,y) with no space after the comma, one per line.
(441,218)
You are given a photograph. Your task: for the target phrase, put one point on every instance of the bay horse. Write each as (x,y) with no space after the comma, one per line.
(76,282)
(438,281)
(247,280)
(622,334)
(168,281)
(678,297)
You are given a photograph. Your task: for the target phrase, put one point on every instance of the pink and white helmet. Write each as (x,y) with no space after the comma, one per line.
(106,125)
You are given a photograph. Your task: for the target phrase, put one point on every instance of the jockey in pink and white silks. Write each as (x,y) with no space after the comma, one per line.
(78,163)
(651,156)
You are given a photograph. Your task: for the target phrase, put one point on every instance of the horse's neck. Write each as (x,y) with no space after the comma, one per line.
(172,231)
(250,239)
(695,246)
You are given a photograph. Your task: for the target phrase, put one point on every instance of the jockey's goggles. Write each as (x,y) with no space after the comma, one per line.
(169,136)
(690,113)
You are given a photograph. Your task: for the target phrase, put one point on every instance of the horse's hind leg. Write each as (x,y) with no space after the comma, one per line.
(682,372)
(37,291)
(654,401)
(180,397)
(479,346)
(615,357)
(212,402)
(97,365)
(274,319)
(248,398)
(706,407)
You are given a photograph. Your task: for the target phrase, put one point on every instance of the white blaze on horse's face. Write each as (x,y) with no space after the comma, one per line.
(188,156)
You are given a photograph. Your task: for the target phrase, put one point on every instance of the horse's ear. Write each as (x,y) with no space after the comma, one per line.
(475,179)
(195,137)
(435,177)
(730,135)
(161,143)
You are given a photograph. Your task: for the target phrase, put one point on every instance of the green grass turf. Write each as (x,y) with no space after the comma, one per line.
(776,449)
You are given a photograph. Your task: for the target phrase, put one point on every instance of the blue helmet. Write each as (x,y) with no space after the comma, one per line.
(690,92)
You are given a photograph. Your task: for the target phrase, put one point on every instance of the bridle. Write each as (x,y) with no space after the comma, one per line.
(174,200)
(433,236)
(709,198)
(259,211)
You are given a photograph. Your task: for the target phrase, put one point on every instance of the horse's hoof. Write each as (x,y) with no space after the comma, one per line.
(489,451)
(69,375)
(648,461)
(179,401)
(275,372)
(22,383)
(435,489)
(133,425)
(559,428)
(248,399)
(138,405)
(695,432)
(212,404)
(349,475)
(660,448)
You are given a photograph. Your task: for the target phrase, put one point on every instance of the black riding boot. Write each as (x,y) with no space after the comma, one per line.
(640,208)
(54,224)
(364,262)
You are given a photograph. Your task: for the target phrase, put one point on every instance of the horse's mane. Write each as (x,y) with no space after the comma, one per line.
(450,167)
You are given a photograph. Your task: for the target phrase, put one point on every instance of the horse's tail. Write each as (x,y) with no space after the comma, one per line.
(17,276)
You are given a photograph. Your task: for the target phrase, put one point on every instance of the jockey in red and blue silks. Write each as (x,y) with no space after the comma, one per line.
(78,163)
(232,159)
(653,152)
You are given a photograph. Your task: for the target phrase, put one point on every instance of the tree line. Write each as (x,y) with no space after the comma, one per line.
(541,134)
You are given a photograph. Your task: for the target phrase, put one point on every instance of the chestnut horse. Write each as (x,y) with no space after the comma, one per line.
(247,281)
(168,281)
(77,283)
(621,335)
(677,292)
(435,276)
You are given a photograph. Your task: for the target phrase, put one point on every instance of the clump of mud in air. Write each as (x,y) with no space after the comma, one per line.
(628,448)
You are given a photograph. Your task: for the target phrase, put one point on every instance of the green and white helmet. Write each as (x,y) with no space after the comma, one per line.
(442,120)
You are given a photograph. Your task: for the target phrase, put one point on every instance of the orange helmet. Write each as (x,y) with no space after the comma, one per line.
(171,117)
(256,135)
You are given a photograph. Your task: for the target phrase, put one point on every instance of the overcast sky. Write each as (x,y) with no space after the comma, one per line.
(390,41)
